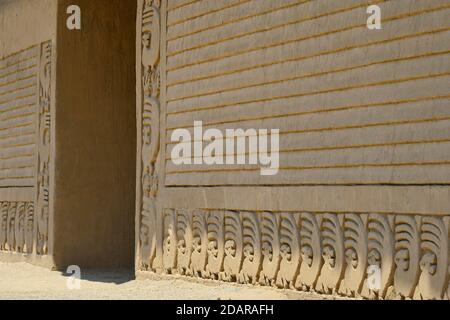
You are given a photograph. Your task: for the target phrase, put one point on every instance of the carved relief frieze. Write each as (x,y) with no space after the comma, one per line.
(434,261)
(355,244)
(232,263)
(251,244)
(380,255)
(216,248)
(311,252)
(149,149)
(44,148)
(289,251)
(15,235)
(372,256)
(270,248)
(333,254)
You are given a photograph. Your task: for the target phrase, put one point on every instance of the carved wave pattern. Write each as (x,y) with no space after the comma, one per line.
(372,256)
(17,227)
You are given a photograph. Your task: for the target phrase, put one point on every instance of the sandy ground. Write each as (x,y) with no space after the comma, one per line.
(24,281)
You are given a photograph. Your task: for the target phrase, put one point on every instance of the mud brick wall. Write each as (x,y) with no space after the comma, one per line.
(67,133)
(27,89)
(364,144)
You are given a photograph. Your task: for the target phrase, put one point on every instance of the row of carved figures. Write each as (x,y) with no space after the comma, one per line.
(16,226)
(372,256)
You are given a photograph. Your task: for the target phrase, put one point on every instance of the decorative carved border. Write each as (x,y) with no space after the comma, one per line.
(150,31)
(44,147)
(324,253)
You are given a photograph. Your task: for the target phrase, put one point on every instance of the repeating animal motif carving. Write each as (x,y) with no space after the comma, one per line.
(435,258)
(327,253)
(251,243)
(333,254)
(13,231)
(150,131)
(407,250)
(216,252)
(29,227)
(4,225)
(355,244)
(19,231)
(311,253)
(170,241)
(232,262)
(270,247)
(289,251)
(380,257)
(11,237)
(184,237)
(199,245)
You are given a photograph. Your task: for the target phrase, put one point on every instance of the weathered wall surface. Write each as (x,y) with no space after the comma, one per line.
(364,143)
(67,147)
(34,20)
(352,106)
(95,136)
(27,86)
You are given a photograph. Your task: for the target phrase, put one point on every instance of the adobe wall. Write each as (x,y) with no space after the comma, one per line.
(96,134)
(27,86)
(364,144)
(67,159)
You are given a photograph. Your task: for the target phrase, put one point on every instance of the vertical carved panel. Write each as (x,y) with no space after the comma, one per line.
(407,250)
(20,227)
(355,244)
(216,252)
(170,241)
(380,256)
(289,251)
(311,252)
(4,225)
(233,247)
(333,254)
(11,225)
(44,146)
(270,239)
(29,227)
(200,244)
(435,258)
(147,234)
(150,110)
(184,238)
(251,265)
